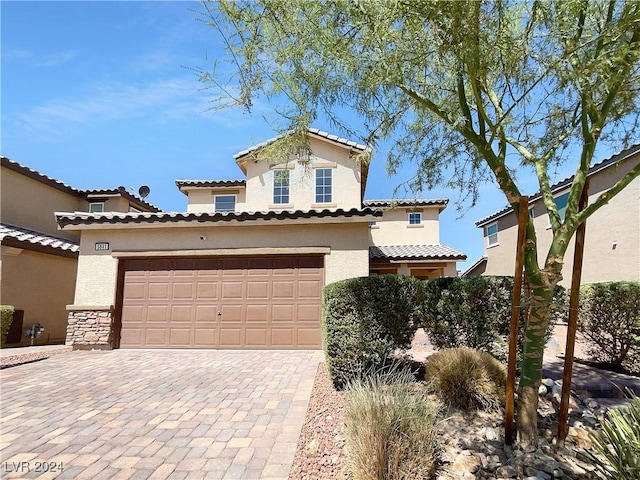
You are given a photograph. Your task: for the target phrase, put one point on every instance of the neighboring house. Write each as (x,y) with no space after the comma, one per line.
(38,263)
(612,241)
(245,265)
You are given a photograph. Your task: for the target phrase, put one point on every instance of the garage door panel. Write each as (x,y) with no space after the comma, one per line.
(282,313)
(205,337)
(282,337)
(309,337)
(231,313)
(133,313)
(231,337)
(309,313)
(309,289)
(257,290)
(264,302)
(257,313)
(256,337)
(232,290)
(206,290)
(159,290)
(157,313)
(181,313)
(180,337)
(206,313)
(134,291)
(283,289)
(183,291)
(156,337)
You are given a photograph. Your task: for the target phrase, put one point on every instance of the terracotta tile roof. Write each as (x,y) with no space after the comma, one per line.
(82,218)
(211,183)
(26,236)
(406,202)
(52,182)
(314,131)
(595,168)
(415,252)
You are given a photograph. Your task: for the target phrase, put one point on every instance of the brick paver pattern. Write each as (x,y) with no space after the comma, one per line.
(155,414)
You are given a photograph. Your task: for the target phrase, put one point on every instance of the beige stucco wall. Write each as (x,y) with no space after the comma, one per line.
(42,285)
(394,229)
(97,271)
(346,192)
(201,200)
(29,203)
(618,221)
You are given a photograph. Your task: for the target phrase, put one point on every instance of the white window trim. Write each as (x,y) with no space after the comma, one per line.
(288,203)
(235,201)
(96,203)
(488,236)
(330,201)
(414,224)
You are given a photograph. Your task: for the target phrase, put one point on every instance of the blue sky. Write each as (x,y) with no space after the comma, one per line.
(101,94)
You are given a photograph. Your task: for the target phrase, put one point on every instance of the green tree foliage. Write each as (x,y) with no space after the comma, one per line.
(467,90)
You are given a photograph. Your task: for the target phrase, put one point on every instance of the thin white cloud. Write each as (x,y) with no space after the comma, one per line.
(161,101)
(55,59)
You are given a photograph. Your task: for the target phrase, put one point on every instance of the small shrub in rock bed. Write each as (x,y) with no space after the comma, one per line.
(467,378)
(475,312)
(365,320)
(390,428)
(6,317)
(618,442)
(609,318)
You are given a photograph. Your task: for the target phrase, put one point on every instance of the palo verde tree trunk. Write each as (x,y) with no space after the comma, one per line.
(541,284)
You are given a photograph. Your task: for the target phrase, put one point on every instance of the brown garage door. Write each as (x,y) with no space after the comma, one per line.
(239,302)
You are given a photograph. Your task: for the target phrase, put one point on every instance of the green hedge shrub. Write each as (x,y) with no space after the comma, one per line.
(6,317)
(475,312)
(609,318)
(365,320)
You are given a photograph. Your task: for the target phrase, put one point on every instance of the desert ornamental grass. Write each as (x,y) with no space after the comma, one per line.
(467,378)
(390,428)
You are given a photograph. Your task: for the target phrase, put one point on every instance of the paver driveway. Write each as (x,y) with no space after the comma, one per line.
(156,414)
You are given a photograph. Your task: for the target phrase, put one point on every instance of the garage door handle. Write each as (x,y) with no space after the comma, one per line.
(219,314)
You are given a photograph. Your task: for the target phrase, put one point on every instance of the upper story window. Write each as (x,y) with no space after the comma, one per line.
(225,203)
(491,232)
(323,185)
(281,186)
(415,218)
(96,207)
(561,204)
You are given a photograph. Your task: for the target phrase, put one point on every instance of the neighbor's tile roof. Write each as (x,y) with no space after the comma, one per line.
(415,252)
(595,168)
(406,202)
(52,182)
(26,236)
(211,183)
(82,218)
(314,131)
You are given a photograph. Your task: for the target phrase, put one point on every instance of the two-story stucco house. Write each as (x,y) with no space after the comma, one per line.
(245,265)
(612,241)
(38,263)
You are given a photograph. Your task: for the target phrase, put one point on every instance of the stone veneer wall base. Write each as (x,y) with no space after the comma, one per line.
(90,329)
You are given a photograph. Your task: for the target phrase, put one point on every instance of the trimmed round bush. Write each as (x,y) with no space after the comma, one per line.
(365,320)
(609,318)
(467,378)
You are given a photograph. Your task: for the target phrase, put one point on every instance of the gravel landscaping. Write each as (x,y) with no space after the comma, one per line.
(471,442)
